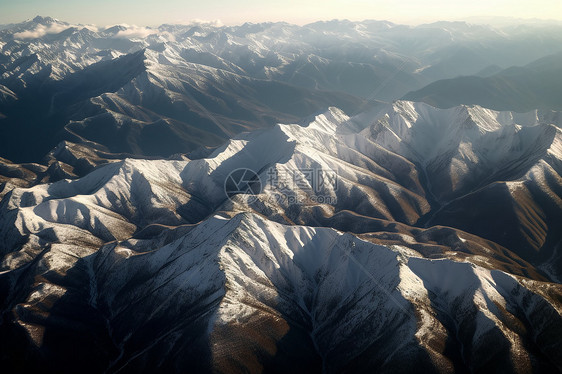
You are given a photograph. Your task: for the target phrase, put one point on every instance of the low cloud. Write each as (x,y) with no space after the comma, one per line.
(89,27)
(133,31)
(37,33)
(54,28)
(196,21)
(41,30)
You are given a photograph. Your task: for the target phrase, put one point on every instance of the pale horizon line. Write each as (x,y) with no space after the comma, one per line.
(476,20)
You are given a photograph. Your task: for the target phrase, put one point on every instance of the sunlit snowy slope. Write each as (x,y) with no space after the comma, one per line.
(148,265)
(256,198)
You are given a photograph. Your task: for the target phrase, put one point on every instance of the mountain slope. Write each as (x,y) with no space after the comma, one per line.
(520,89)
(54,77)
(493,174)
(120,266)
(170,223)
(134,104)
(251,298)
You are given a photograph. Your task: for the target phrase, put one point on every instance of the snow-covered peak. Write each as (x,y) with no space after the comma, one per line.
(461,145)
(329,121)
(307,246)
(45,20)
(329,248)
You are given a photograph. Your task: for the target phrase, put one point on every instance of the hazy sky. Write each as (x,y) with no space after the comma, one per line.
(151,13)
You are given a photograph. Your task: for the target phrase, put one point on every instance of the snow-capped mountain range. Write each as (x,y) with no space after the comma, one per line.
(257,281)
(201,83)
(376,237)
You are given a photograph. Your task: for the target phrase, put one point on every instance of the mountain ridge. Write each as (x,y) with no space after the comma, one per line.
(517,88)
(235,199)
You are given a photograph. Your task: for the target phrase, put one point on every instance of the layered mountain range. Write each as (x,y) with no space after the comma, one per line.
(410,253)
(536,85)
(171,89)
(192,199)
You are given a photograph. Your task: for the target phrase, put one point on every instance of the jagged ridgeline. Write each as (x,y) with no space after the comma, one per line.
(149,264)
(172,89)
(242,199)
